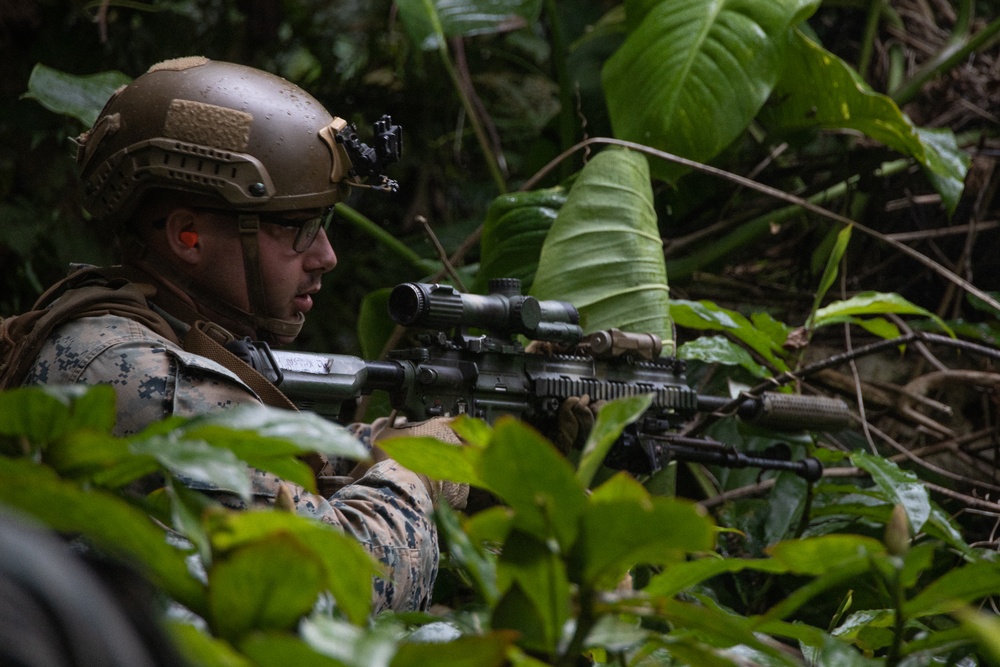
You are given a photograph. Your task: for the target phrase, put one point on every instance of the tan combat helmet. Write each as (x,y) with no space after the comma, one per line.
(230,137)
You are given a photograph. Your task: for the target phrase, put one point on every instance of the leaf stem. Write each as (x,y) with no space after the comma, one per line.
(397,247)
(950,56)
(463,95)
(566,124)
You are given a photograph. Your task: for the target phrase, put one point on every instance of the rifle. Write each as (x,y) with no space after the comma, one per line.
(471,362)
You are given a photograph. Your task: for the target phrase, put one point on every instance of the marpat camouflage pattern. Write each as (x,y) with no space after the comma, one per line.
(388,510)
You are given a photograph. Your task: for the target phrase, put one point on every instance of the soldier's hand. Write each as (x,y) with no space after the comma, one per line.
(574,422)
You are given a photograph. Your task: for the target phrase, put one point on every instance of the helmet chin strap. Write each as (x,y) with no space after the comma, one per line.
(268,328)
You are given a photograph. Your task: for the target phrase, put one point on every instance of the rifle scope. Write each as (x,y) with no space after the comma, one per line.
(503,312)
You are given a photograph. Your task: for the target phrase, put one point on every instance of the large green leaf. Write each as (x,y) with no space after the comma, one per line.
(541,574)
(81,97)
(427,21)
(819,90)
(41,415)
(693,73)
(618,533)
(515,229)
(871,303)
(267,584)
(346,569)
(968,583)
(611,421)
(200,461)
(604,253)
(707,316)
(535,480)
(437,459)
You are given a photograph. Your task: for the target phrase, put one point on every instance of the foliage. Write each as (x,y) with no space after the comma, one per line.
(704,95)
(557,571)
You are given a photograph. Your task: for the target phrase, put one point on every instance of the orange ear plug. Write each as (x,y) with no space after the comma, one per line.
(190,239)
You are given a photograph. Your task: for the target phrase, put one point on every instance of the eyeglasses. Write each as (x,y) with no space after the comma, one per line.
(306,229)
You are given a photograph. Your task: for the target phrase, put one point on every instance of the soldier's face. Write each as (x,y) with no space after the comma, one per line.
(290,278)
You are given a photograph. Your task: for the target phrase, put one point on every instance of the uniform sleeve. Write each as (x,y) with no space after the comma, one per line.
(388,510)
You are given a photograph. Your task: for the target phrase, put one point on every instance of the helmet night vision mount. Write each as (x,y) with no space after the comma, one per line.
(368,162)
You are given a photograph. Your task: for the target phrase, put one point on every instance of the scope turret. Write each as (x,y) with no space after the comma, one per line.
(503,312)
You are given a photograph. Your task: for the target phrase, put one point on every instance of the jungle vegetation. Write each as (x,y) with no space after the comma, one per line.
(791,193)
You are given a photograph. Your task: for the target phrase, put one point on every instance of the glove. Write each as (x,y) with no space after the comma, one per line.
(455,494)
(574,422)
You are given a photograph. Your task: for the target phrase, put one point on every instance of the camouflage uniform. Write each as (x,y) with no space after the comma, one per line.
(387,510)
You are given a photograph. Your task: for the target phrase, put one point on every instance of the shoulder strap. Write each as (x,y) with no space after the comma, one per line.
(86,293)
(204,339)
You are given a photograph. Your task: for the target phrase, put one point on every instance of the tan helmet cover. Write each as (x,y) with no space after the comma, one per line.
(237,137)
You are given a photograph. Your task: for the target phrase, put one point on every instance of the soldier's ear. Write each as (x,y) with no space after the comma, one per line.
(182,230)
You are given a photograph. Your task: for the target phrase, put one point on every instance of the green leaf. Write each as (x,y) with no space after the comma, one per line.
(866,625)
(427,21)
(721,350)
(833,264)
(268,584)
(199,461)
(540,573)
(479,564)
(279,649)
(900,487)
(513,234)
(86,453)
(723,627)
(374,324)
(437,459)
(705,315)
(473,431)
(44,414)
(958,586)
(106,520)
(817,555)
(349,644)
(604,253)
(471,651)
(535,480)
(201,649)
(346,568)
(80,97)
(872,303)
(611,421)
(617,534)
(263,437)
(679,577)
(819,90)
(985,628)
(257,430)
(692,74)
(515,611)
(491,525)
(945,164)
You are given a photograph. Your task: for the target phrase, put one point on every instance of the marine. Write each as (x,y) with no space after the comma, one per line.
(219,180)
